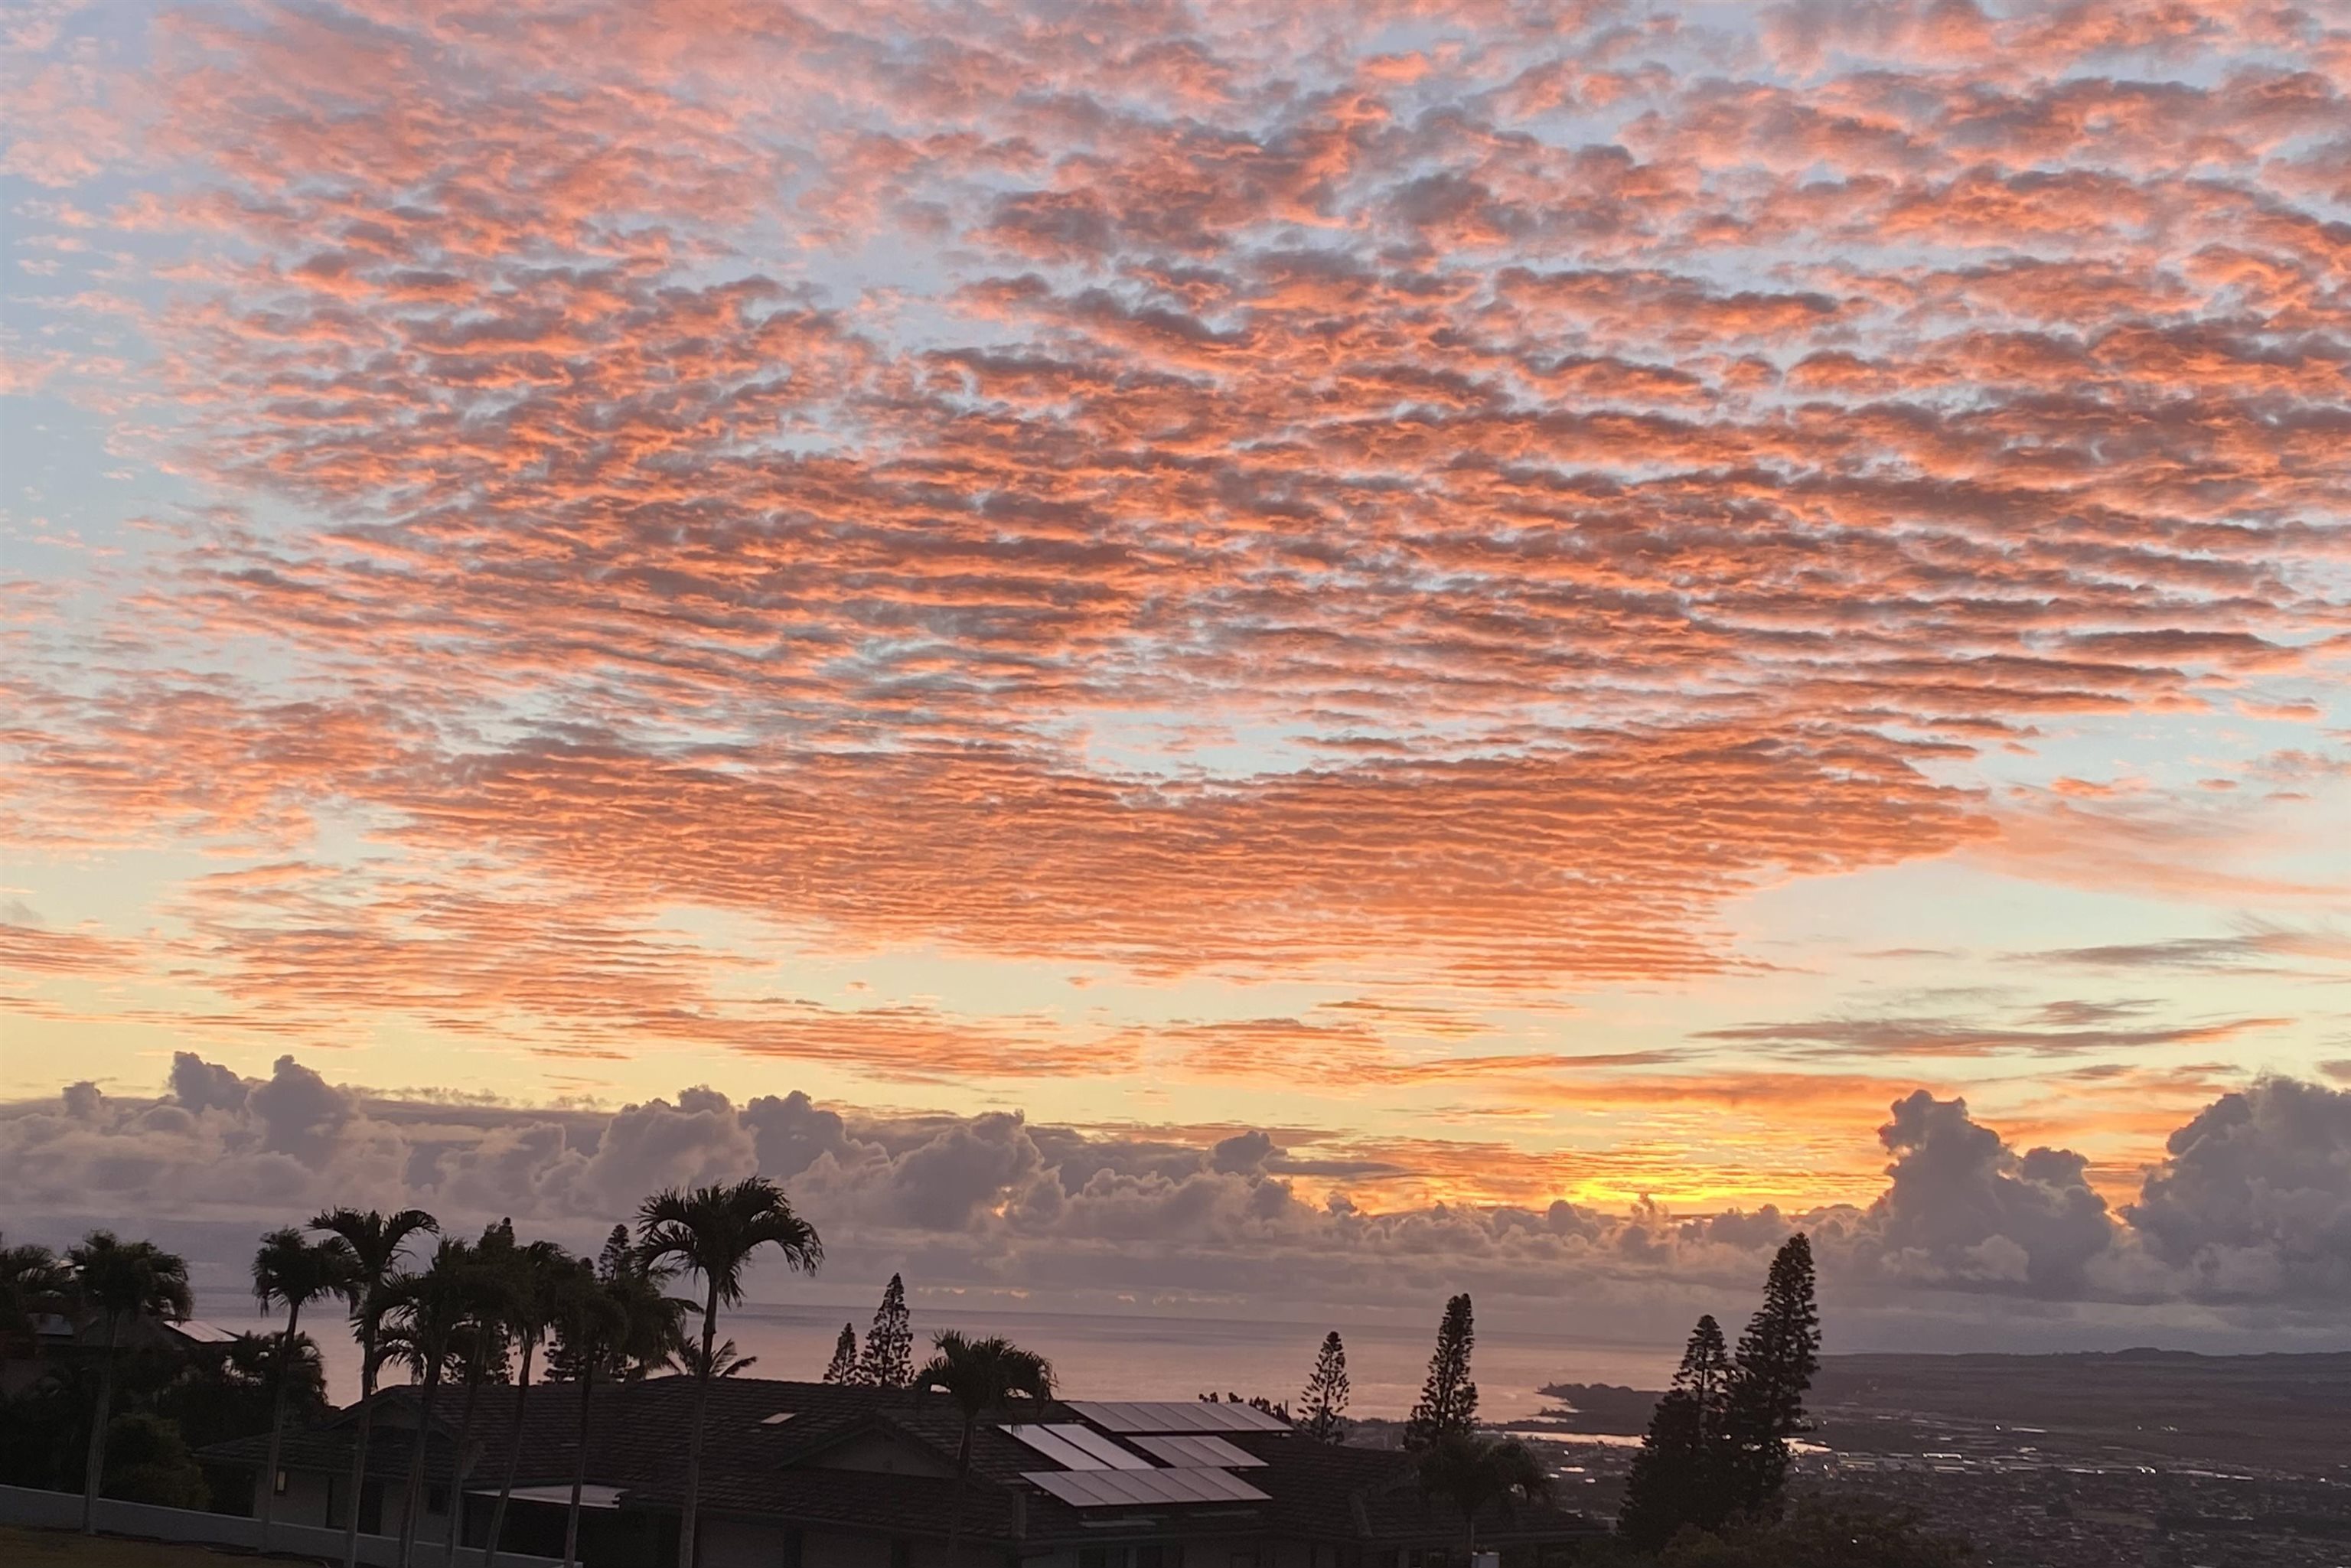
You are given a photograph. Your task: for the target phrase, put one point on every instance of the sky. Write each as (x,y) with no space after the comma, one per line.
(1204,656)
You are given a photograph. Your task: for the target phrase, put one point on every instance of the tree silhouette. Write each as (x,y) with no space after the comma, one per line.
(1325,1402)
(33,1282)
(376,1242)
(1474,1471)
(534,1272)
(980,1375)
(889,1358)
(120,1280)
(611,1320)
(1682,1473)
(714,1231)
(843,1366)
(1448,1400)
(217,1398)
(292,1270)
(426,1313)
(1777,1357)
(482,1345)
(686,1359)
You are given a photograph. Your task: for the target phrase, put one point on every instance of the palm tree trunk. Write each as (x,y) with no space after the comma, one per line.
(360,1450)
(579,1466)
(963,1479)
(458,1465)
(693,1444)
(278,1424)
(94,1467)
(415,1490)
(514,1458)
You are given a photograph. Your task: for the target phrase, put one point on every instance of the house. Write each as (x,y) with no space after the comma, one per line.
(58,1340)
(803,1475)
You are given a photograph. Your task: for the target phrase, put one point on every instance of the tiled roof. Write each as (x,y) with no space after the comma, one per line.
(756,1465)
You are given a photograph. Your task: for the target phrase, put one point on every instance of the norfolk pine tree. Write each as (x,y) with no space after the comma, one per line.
(889,1359)
(842,1367)
(1324,1403)
(1448,1400)
(1777,1357)
(1682,1473)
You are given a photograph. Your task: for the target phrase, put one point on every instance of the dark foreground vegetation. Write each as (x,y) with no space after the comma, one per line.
(115,1408)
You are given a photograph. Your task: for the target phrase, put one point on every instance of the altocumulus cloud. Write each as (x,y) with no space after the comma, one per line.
(2250,1211)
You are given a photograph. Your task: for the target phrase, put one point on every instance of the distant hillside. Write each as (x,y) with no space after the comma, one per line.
(1599,1407)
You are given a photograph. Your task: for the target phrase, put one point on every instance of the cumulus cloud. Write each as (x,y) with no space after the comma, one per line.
(1963,1206)
(2253,1196)
(2251,1207)
(199,1085)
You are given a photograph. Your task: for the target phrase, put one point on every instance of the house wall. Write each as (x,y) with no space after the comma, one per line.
(741,1544)
(320,1498)
(1176,1550)
(304,1501)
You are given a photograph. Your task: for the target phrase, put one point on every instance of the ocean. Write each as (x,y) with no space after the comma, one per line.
(1140,1357)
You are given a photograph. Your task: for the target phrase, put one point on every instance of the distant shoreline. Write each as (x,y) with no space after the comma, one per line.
(2277,1409)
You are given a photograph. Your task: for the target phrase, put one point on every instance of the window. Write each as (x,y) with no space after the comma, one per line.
(902,1553)
(794,1543)
(1244,1560)
(280,1486)
(436,1500)
(1150,1554)
(1094,1557)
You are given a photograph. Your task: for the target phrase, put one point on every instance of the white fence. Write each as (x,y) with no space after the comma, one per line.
(62,1510)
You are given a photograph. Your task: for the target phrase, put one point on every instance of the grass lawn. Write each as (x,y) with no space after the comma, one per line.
(22,1548)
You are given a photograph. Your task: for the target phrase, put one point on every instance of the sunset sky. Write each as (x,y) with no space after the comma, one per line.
(1432,610)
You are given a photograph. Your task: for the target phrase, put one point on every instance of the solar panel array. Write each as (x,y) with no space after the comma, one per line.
(1197,1451)
(1129,1488)
(1076,1447)
(1195,1465)
(1165,1416)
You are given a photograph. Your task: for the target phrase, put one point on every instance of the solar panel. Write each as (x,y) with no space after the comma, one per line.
(1056,1448)
(1125,1415)
(1142,1488)
(1197,1451)
(1110,1453)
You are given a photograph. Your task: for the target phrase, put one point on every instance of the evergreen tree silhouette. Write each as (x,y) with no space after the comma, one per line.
(842,1367)
(1448,1400)
(1324,1403)
(1777,1357)
(1682,1474)
(889,1361)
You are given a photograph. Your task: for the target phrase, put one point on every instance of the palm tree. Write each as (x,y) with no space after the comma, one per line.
(294,1272)
(426,1313)
(979,1375)
(588,1322)
(119,1280)
(614,1320)
(481,1344)
(534,1272)
(1475,1470)
(33,1282)
(376,1242)
(686,1361)
(712,1231)
(654,1324)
